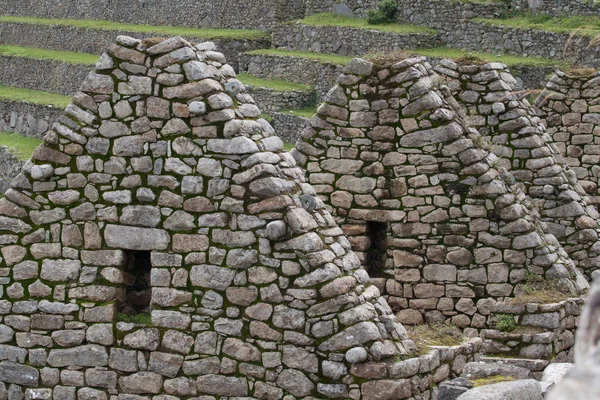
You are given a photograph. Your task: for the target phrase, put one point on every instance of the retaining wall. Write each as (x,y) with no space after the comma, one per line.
(10,166)
(31,120)
(271,101)
(95,41)
(256,14)
(347,41)
(288,127)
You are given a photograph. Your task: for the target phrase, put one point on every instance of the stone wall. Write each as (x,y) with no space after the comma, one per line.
(571,112)
(10,167)
(347,41)
(440,227)
(31,120)
(477,36)
(45,75)
(94,41)
(492,104)
(271,101)
(545,331)
(288,126)
(257,14)
(319,74)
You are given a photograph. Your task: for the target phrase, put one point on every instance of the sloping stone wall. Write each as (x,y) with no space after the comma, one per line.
(492,104)
(255,291)
(572,114)
(388,151)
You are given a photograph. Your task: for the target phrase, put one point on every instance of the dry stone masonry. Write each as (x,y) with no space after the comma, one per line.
(492,104)
(572,113)
(162,243)
(441,227)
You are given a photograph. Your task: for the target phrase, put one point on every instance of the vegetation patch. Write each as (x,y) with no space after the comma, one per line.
(288,146)
(331,19)
(139,319)
(21,147)
(387,59)
(426,336)
(9,93)
(275,84)
(476,57)
(387,11)
(306,112)
(490,380)
(202,33)
(70,57)
(582,25)
(505,322)
(323,58)
(539,290)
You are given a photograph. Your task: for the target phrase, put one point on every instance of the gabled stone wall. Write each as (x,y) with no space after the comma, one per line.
(388,150)
(492,103)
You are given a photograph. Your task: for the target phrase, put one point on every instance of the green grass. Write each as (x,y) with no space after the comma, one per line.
(203,33)
(585,25)
(9,93)
(306,112)
(288,146)
(490,380)
(143,319)
(324,58)
(509,60)
(70,57)
(22,146)
(331,19)
(275,84)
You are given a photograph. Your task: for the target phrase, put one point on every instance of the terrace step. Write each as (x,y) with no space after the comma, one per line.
(536,366)
(275,95)
(94,36)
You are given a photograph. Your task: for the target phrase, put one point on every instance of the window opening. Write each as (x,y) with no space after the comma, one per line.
(376,256)
(138,287)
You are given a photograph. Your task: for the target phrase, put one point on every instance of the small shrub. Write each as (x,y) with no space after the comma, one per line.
(505,322)
(387,11)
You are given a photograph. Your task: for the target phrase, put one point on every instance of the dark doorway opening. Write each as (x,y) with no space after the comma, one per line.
(376,256)
(138,288)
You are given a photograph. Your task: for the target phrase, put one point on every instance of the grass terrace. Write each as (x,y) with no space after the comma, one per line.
(23,146)
(322,57)
(583,25)
(509,60)
(306,112)
(331,19)
(8,93)
(70,57)
(201,33)
(279,85)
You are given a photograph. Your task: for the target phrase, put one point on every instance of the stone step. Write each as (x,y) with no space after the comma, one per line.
(94,36)
(532,364)
(349,41)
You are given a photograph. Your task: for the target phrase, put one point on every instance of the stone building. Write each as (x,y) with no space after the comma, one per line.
(571,111)
(493,105)
(444,230)
(162,243)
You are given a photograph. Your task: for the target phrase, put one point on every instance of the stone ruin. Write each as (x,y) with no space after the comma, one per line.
(492,104)
(390,155)
(571,108)
(162,196)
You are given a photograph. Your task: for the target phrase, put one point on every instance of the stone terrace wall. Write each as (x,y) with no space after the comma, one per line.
(288,126)
(571,108)
(560,7)
(294,69)
(30,120)
(547,331)
(387,153)
(347,41)
(491,103)
(46,75)
(10,167)
(271,101)
(94,41)
(523,42)
(256,14)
